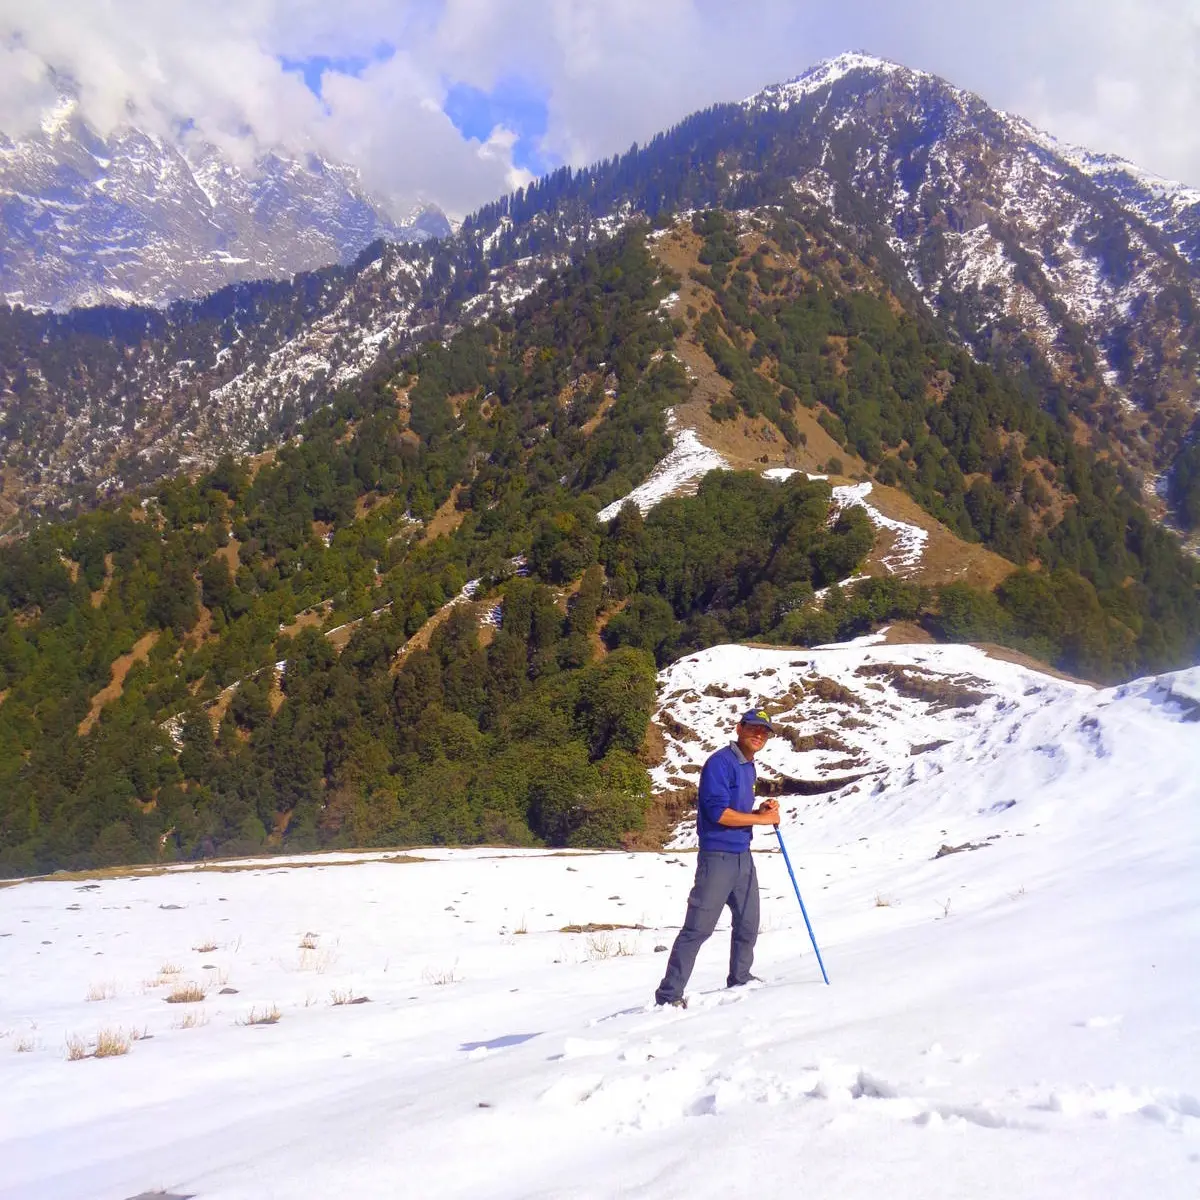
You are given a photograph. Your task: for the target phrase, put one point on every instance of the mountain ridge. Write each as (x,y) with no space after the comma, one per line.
(1032,262)
(409,623)
(134,217)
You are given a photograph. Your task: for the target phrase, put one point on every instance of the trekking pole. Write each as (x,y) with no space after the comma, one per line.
(803,910)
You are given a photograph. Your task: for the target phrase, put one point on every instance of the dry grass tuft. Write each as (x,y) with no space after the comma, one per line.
(192,1020)
(264,1016)
(441,978)
(111,1043)
(101,991)
(308,942)
(600,946)
(205,947)
(339,996)
(168,969)
(25,1044)
(882,901)
(318,961)
(76,1047)
(603,927)
(187,993)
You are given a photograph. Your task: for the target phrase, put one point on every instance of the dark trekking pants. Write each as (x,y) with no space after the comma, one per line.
(721,879)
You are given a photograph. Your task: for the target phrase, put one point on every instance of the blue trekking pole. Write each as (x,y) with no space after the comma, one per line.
(803,910)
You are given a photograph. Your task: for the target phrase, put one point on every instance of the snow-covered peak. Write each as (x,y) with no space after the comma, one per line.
(55,120)
(131,215)
(824,74)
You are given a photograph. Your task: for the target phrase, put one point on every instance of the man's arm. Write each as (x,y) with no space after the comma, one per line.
(767,813)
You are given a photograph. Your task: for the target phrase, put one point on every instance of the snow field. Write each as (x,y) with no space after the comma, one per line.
(852,700)
(1016,1020)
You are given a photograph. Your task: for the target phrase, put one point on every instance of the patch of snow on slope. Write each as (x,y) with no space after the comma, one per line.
(687,463)
(1017,1020)
(1178,195)
(819,185)
(850,712)
(910,540)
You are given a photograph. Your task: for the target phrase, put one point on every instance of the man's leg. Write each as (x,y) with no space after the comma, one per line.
(743,903)
(715,877)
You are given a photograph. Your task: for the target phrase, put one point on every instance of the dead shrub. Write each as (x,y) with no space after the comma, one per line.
(317,961)
(926,747)
(186,993)
(594,927)
(340,996)
(264,1016)
(677,729)
(802,743)
(111,1043)
(601,946)
(833,692)
(938,691)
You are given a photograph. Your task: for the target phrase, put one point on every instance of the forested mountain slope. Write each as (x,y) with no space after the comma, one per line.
(408,624)
(1074,269)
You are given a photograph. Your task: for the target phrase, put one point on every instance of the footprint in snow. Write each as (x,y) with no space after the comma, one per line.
(1100,1022)
(655,1048)
(1175,1110)
(588,1048)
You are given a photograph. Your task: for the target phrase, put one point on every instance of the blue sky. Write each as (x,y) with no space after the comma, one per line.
(314,68)
(514,103)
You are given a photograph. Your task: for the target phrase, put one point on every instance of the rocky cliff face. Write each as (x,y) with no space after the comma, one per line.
(134,219)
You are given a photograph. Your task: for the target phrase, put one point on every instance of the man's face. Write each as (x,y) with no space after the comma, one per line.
(751,738)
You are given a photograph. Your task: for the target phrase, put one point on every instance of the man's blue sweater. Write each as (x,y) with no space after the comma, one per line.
(727,781)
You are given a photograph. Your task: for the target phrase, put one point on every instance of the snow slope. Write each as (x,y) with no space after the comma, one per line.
(908,541)
(1014,1021)
(687,462)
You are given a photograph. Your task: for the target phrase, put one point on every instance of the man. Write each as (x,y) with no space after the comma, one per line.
(724,868)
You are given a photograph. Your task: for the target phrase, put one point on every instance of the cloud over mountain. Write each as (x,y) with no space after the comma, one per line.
(371,83)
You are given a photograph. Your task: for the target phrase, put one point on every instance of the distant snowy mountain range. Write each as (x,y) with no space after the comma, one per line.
(135,219)
(1078,268)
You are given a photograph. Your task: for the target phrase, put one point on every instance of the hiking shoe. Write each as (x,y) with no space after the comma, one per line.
(744,982)
(680,1003)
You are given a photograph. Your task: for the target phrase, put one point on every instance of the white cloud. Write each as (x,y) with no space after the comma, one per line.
(1117,75)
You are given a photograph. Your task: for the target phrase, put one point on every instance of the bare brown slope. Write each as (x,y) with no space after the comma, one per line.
(116,685)
(754,443)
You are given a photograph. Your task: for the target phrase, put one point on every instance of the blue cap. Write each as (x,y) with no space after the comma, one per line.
(757,716)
